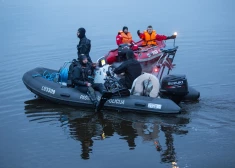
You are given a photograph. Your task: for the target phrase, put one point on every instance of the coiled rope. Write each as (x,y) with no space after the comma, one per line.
(48,76)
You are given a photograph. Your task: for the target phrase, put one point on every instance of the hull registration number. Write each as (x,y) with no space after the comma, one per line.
(154,106)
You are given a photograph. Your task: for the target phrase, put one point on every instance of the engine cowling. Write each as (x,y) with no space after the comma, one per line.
(174,87)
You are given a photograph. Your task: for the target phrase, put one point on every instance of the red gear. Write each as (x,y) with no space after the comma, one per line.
(134,47)
(118,39)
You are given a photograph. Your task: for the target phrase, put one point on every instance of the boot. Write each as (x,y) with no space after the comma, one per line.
(105,96)
(91,94)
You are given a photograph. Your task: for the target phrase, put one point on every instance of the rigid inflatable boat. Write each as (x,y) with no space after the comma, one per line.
(59,93)
(162,93)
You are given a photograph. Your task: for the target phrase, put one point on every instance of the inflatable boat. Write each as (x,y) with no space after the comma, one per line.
(162,98)
(155,91)
(142,53)
(59,93)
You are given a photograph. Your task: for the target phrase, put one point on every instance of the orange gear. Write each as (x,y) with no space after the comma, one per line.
(150,39)
(126,38)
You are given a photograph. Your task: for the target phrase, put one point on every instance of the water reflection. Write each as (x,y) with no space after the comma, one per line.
(88,127)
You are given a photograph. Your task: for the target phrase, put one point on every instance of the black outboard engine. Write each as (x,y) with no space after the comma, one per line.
(174,87)
(122,50)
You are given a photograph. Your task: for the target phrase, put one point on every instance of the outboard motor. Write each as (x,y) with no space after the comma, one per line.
(174,87)
(122,50)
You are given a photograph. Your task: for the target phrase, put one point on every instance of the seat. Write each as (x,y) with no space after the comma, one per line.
(138,85)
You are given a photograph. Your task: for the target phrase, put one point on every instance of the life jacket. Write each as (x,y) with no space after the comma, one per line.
(150,39)
(126,38)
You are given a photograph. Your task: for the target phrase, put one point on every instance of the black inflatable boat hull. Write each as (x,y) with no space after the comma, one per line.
(58,93)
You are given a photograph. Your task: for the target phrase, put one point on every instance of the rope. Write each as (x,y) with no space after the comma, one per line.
(47,75)
(60,76)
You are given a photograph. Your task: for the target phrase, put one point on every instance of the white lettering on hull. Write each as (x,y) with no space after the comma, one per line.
(48,90)
(113,101)
(116,101)
(176,83)
(155,106)
(154,52)
(84,97)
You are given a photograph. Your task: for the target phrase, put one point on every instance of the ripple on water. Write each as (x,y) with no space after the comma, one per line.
(214,113)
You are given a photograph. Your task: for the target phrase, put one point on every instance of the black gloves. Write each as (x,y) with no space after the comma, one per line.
(171,37)
(138,32)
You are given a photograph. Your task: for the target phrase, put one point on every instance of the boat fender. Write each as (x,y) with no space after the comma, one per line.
(137,87)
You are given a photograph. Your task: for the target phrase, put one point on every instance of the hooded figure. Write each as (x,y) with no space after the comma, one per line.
(83,60)
(84,45)
(83,79)
(129,54)
(82,72)
(81,33)
(132,69)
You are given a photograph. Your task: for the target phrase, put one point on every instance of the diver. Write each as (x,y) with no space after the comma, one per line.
(84,45)
(82,78)
(131,69)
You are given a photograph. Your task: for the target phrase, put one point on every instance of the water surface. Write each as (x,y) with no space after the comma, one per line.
(37,133)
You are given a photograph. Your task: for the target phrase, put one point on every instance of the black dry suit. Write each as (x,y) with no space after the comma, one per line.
(84,45)
(132,69)
(82,74)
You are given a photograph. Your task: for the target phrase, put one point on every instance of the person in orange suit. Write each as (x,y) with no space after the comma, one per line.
(150,36)
(125,37)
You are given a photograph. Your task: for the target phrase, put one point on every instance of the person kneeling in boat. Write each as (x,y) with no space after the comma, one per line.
(82,78)
(150,36)
(125,37)
(131,69)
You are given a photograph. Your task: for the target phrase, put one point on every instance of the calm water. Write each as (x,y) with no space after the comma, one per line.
(36,133)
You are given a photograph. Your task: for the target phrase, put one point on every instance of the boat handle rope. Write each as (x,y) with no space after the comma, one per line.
(47,75)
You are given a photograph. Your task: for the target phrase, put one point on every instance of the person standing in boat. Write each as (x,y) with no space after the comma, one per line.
(84,45)
(131,69)
(82,78)
(125,37)
(150,36)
